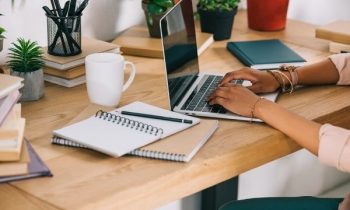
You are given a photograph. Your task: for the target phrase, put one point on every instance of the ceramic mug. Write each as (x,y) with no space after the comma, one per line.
(105,77)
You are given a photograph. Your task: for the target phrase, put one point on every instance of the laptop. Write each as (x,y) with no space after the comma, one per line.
(188,88)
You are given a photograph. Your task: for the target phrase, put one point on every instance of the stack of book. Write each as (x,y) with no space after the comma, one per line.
(338,33)
(70,71)
(13,154)
(16,156)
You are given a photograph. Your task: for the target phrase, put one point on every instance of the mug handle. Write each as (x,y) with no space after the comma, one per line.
(131,77)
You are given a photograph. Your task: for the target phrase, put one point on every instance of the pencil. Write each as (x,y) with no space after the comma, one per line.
(151,116)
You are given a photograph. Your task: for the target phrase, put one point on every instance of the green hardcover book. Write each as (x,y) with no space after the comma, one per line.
(264,54)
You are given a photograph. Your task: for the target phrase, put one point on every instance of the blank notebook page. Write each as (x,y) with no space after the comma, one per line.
(117,139)
(168,127)
(105,136)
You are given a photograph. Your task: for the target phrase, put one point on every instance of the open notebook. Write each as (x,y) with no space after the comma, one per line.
(181,146)
(116,134)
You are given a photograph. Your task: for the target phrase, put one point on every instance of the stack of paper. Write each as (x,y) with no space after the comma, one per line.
(70,71)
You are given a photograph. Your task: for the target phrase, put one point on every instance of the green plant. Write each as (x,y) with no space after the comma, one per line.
(25,56)
(220,5)
(157,7)
(2,31)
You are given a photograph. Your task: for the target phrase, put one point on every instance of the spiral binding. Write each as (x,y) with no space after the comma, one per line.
(158,155)
(66,142)
(133,124)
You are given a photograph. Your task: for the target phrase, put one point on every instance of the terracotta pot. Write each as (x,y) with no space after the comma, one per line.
(267,15)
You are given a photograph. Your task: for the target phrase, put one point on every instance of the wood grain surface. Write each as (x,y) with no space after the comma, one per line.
(85,179)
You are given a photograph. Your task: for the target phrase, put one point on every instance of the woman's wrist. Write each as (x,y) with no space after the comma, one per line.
(261,108)
(286,77)
(276,83)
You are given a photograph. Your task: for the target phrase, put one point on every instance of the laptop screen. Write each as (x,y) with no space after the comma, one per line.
(180,49)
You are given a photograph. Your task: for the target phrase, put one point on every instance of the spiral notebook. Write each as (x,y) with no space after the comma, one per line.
(180,147)
(115,134)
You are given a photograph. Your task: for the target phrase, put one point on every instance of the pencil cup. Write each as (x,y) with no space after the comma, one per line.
(64,35)
(105,78)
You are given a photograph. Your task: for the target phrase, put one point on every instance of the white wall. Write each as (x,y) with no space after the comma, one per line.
(319,12)
(296,174)
(102,19)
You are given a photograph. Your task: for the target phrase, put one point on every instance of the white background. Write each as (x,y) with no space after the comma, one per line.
(104,19)
(297,174)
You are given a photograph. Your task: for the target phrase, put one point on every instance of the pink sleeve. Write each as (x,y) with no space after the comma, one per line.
(334,147)
(342,63)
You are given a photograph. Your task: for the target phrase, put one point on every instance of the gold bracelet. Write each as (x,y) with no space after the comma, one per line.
(253,109)
(276,78)
(294,77)
(284,89)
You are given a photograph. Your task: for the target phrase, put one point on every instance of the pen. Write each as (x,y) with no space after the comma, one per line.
(172,119)
(72,6)
(81,7)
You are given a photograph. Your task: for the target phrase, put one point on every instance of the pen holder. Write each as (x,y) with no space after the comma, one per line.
(64,35)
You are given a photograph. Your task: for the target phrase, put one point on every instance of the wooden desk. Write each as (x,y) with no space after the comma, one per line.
(86,179)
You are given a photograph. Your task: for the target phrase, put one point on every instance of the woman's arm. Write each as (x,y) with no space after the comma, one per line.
(242,101)
(303,131)
(323,72)
(331,143)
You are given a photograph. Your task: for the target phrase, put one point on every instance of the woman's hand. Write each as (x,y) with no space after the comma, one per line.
(262,81)
(235,98)
(345,204)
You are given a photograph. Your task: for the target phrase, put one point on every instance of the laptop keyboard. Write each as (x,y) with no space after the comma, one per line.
(198,100)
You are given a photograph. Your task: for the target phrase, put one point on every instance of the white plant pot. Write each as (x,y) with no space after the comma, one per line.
(33,88)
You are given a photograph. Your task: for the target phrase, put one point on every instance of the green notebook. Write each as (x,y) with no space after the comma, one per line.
(264,54)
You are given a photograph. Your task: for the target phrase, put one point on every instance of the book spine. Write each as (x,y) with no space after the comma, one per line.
(67,74)
(65,82)
(158,155)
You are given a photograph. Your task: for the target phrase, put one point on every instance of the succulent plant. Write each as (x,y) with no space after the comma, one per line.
(25,56)
(221,5)
(2,31)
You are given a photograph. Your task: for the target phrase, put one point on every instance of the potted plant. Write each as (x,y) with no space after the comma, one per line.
(154,11)
(25,60)
(267,15)
(217,16)
(2,37)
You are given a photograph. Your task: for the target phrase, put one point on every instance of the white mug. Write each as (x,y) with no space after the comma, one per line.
(105,77)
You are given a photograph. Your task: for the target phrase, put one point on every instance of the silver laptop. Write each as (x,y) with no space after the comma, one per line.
(189,89)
